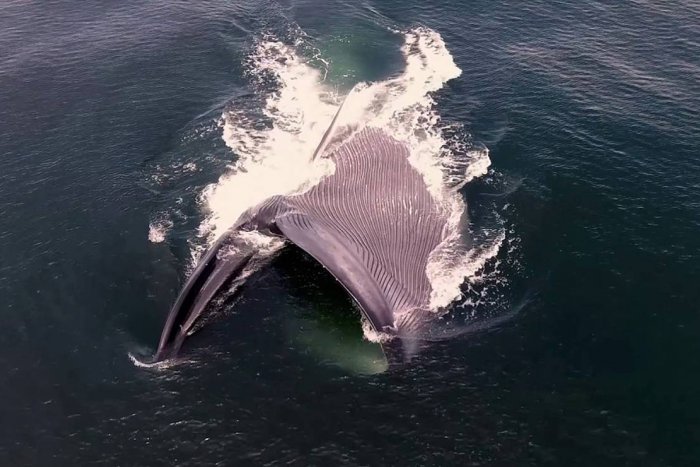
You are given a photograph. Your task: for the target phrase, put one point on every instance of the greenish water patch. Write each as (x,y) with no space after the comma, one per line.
(336,341)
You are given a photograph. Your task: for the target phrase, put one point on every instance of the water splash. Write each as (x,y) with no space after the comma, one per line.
(274,147)
(159,227)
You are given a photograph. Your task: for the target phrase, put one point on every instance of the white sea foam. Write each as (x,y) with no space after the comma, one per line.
(158,228)
(373,335)
(273,159)
(189,167)
(274,150)
(156,365)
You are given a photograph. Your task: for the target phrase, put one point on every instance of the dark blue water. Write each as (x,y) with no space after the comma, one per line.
(590,111)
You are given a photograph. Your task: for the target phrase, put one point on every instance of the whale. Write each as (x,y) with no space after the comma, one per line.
(372,223)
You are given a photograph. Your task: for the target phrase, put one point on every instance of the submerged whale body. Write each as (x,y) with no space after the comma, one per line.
(372,224)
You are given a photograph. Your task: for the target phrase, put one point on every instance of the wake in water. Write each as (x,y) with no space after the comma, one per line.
(274,143)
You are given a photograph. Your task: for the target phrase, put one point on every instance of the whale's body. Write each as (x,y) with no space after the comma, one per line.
(372,223)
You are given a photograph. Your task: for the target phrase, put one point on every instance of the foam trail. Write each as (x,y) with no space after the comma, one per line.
(274,151)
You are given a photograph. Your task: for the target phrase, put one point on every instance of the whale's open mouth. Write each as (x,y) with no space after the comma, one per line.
(417,260)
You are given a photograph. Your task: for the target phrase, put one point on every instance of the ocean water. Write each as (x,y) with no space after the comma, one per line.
(133,133)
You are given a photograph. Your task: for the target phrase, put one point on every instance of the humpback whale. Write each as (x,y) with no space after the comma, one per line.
(372,223)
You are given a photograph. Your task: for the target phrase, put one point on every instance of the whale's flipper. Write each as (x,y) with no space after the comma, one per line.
(336,253)
(216,269)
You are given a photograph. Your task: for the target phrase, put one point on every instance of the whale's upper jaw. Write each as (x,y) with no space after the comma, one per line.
(213,272)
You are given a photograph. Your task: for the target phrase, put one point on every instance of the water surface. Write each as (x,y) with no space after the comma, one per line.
(111,122)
